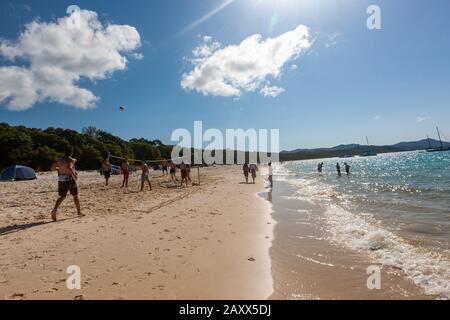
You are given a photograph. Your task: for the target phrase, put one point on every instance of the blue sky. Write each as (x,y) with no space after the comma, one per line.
(391,84)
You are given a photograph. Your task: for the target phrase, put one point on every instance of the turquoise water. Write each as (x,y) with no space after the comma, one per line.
(394,206)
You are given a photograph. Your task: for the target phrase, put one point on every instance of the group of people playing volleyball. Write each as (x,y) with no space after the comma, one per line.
(168,167)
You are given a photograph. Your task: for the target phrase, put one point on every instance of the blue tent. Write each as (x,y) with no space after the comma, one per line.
(17,173)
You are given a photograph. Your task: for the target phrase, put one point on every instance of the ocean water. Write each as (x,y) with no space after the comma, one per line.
(393,207)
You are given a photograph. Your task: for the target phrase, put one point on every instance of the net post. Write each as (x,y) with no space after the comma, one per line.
(198,175)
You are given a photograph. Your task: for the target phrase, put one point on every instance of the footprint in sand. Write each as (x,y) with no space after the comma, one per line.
(18,296)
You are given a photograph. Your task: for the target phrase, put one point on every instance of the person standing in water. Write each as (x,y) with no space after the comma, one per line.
(145,176)
(347,168)
(125,167)
(320,167)
(338,168)
(271,175)
(106,168)
(67,177)
(246,170)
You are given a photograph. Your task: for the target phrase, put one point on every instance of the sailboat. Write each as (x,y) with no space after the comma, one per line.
(369,152)
(441,147)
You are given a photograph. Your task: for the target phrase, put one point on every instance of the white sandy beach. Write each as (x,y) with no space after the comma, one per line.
(203,242)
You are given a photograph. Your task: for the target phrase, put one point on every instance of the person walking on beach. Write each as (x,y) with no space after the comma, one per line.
(347,168)
(246,170)
(125,167)
(338,168)
(67,177)
(145,177)
(184,173)
(320,167)
(173,171)
(253,168)
(271,175)
(106,168)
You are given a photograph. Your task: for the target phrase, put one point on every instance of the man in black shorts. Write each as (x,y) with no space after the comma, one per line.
(67,177)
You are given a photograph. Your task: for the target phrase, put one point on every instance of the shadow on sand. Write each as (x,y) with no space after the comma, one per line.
(20,227)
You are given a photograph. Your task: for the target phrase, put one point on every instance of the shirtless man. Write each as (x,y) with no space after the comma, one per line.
(125,167)
(347,168)
(246,170)
(145,176)
(164,168)
(67,177)
(188,172)
(320,167)
(184,173)
(106,170)
(338,168)
(173,171)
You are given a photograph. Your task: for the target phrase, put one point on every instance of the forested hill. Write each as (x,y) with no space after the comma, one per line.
(38,148)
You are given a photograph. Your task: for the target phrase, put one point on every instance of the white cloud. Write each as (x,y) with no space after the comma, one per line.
(54,56)
(422,119)
(377,117)
(233,70)
(137,56)
(271,91)
(294,67)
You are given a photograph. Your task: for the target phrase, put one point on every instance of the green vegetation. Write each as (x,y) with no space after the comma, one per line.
(39,148)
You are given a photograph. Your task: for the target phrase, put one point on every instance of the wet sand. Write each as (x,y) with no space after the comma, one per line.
(203,242)
(306,265)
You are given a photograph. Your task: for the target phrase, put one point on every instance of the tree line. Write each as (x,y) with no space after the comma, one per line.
(38,148)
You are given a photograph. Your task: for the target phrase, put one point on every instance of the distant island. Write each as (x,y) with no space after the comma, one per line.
(351,150)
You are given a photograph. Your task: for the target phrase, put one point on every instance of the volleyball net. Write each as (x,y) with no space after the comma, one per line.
(157,165)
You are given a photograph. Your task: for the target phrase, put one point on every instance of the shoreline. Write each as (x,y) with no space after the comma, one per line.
(171,243)
(306,265)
